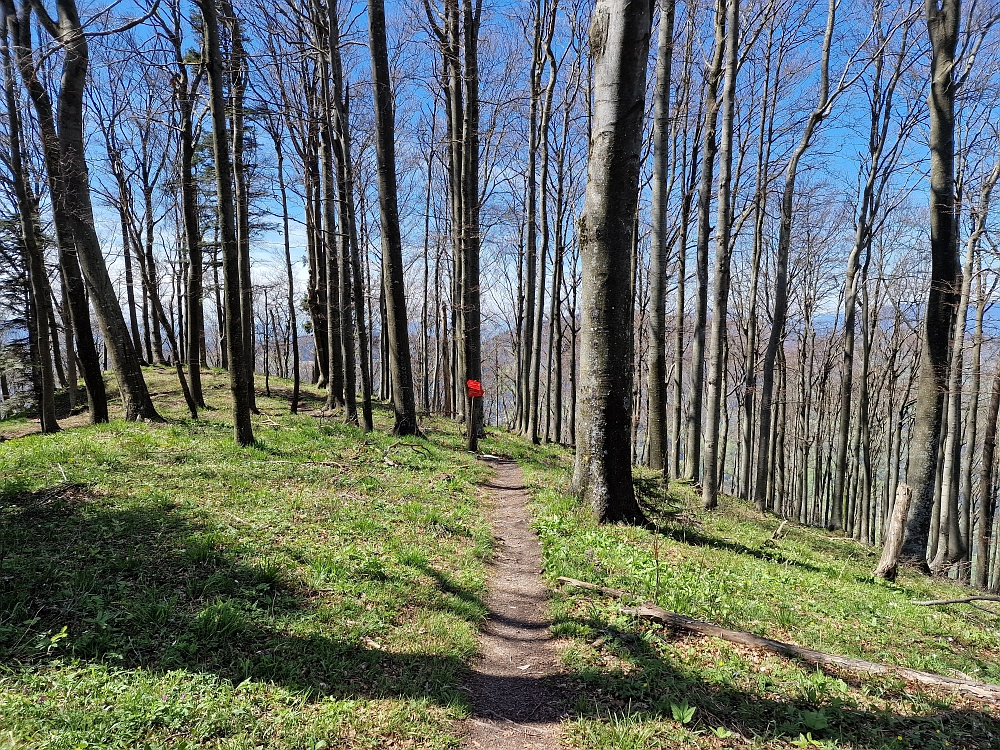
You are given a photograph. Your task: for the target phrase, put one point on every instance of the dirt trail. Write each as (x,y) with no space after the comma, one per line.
(514,697)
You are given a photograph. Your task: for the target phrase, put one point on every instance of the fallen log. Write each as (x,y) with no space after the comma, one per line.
(983,691)
(966,600)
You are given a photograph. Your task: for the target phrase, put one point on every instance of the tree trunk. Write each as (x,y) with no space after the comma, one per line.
(34,257)
(293,321)
(987,508)
(619,42)
(942,26)
(392,247)
(692,458)
(727,31)
(238,373)
(238,77)
(657,386)
(470,224)
(776,337)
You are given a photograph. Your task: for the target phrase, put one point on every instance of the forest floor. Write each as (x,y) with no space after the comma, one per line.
(161,588)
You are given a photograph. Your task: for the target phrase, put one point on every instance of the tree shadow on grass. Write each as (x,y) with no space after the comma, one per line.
(141,584)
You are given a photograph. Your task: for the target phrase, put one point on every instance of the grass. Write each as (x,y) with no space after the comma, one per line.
(635,683)
(161,588)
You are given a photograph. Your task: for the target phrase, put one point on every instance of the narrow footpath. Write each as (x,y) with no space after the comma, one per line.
(514,697)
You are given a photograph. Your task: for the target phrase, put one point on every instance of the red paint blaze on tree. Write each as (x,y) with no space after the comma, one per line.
(474,388)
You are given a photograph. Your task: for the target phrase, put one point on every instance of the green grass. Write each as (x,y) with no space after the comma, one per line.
(160,587)
(631,681)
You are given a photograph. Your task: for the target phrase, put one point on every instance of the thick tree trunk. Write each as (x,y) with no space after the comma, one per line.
(392,247)
(619,42)
(955,548)
(942,26)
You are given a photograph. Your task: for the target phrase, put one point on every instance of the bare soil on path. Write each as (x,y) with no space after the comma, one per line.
(515,697)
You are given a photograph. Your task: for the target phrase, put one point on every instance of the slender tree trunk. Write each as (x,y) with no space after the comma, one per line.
(470,223)
(184,93)
(392,246)
(34,258)
(293,321)
(692,459)
(776,336)
(238,76)
(238,372)
(728,32)
(657,386)
(987,507)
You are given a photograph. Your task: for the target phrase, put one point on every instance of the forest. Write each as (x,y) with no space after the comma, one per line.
(752,242)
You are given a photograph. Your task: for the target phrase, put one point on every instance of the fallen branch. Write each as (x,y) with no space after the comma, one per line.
(399,444)
(966,600)
(981,690)
(773,541)
(618,593)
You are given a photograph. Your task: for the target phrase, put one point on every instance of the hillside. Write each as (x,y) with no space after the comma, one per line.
(161,588)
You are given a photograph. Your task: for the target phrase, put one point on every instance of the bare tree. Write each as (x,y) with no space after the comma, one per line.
(619,43)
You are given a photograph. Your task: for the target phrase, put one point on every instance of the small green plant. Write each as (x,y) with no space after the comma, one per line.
(268,572)
(200,548)
(806,740)
(815,719)
(683,712)
(49,641)
(722,733)
(220,620)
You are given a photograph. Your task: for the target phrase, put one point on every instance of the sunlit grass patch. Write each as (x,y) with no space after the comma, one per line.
(630,678)
(160,587)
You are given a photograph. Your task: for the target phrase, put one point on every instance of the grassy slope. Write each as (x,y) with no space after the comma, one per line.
(161,588)
(632,678)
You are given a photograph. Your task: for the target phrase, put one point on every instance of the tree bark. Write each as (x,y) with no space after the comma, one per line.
(619,42)
(942,27)
(692,457)
(727,31)
(238,373)
(763,482)
(404,403)
(657,386)
(34,257)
